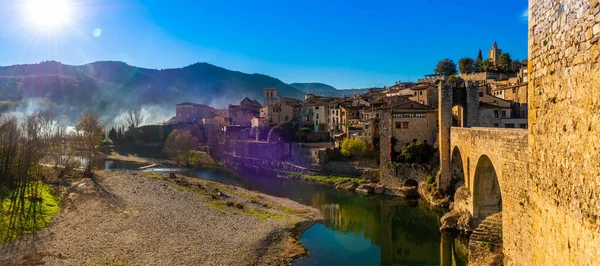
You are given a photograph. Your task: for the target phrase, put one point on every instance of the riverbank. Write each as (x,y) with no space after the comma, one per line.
(146,218)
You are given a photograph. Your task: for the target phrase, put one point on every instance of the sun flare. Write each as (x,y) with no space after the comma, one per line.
(48,14)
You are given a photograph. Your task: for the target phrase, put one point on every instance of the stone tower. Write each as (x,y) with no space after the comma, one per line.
(450,95)
(270,96)
(564,134)
(494,54)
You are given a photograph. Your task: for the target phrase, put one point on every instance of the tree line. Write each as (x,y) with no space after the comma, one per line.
(468,65)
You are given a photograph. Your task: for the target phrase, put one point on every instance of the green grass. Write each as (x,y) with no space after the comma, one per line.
(330,180)
(29,215)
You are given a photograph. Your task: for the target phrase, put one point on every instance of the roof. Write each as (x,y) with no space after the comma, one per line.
(423,86)
(412,105)
(188,103)
(511,87)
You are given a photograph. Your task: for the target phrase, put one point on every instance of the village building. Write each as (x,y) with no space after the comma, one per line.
(412,121)
(270,96)
(243,113)
(494,54)
(425,93)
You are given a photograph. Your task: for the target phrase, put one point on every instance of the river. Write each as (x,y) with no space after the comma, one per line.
(358,229)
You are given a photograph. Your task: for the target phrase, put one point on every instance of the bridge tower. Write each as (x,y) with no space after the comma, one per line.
(452,94)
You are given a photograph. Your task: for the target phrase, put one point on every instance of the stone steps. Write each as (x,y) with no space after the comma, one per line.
(490,230)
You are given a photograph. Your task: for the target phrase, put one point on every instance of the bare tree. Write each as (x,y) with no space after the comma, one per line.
(89,129)
(180,145)
(134,118)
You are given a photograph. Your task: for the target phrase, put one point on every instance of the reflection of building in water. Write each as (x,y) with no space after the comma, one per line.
(405,235)
(453,251)
(332,214)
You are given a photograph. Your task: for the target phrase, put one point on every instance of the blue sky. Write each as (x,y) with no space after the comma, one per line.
(347,44)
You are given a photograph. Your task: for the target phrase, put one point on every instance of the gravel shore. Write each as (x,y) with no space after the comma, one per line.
(130,218)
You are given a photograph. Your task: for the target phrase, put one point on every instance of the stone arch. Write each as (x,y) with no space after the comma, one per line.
(487,197)
(411,183)
(458,116)
(458,168)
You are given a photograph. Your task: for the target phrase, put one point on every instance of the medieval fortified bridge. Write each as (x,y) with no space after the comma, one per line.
(545,180)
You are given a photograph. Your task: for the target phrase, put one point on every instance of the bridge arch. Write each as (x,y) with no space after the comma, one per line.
(487,196)
(458,173)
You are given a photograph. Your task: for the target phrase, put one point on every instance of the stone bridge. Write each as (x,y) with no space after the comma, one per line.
(492,163)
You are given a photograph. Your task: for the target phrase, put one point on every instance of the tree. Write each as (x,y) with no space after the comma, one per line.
(479,59)
(353,147)
(112,134)
(466,65)
(89,130)
(515,65)
(445,67)
(134,118)
(484,66)
(504,62)
(286,131)
(180,145)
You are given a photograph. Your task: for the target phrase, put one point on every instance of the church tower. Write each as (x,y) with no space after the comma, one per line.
(270,96)
(494,54)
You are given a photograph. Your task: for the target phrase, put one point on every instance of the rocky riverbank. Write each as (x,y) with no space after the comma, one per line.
(146,218)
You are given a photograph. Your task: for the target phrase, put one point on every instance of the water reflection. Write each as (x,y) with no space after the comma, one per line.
(357,229)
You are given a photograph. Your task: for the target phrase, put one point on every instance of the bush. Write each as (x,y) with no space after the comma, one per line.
(353,147)
(415,152)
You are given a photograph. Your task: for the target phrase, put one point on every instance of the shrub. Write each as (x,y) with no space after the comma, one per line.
(415,152)
(353,147)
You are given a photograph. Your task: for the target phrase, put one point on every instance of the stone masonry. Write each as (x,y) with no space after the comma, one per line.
(564,137)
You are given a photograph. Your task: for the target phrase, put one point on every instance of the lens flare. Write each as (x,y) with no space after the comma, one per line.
(48,14)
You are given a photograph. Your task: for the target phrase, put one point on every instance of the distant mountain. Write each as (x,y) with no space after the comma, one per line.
(325,90)
(110,88)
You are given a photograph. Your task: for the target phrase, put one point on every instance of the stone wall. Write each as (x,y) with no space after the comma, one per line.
(253,165)
(500,154)
(260,150)
(564,140)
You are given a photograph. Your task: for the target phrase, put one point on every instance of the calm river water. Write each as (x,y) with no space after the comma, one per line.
(358,229)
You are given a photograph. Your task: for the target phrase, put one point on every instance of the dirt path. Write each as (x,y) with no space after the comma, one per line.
(148,219)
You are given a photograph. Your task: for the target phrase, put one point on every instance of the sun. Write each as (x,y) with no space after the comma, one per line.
(48,14)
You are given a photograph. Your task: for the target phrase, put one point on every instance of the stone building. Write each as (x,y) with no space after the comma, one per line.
(192,112)
(412,121)
(425,93)
(270,96)
(494,54)
(243,113)
(280,111)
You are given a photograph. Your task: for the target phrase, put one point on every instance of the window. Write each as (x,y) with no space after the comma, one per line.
(509,126)
(420,92)
(317,108)
(337,112)
(366,126)
(495,113)
(405,125)
(332,112)
(503,113)
(523,125)
(398,125)
(496,125)
(317,116)
(481,94)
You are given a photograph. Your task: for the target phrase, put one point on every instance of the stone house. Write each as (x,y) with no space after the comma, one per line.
(412,121)
(192,112)
(426,94)
(278,112)
(243,113)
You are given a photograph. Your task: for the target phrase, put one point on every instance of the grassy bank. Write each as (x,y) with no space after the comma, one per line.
(323,179)
(27,214)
